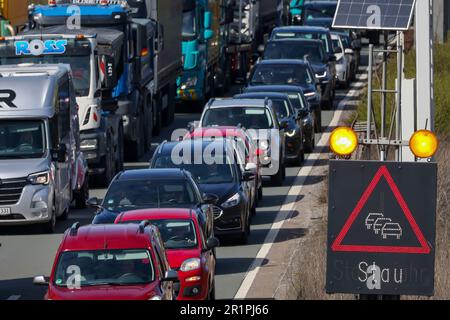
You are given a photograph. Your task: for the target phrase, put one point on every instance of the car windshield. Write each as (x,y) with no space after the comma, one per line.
(303,35)
(176,233)
(280,74)
(297,101)
(80,66)
(22,139)
(189,27)
(140,194)
(320,12)
(104,267)
(248,117)
(215,172)
(290,50)
(281,108)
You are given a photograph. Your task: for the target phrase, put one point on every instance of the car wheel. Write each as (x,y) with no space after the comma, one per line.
(83,195)
(253,209)
(212,291)
(50,226)
(277,179)
(260,193)
(108,163)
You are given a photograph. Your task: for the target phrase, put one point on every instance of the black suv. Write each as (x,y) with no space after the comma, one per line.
(151,188)
(214,165)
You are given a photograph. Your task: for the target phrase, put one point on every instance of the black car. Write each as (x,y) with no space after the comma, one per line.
(216,169)
(150,188)
(313,51)
(319,13)
(297,73)
(295,138)
(300,104)
(305,32)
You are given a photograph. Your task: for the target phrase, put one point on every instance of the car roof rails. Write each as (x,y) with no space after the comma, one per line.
(142,225)
(159,147)
(74,228)
(211,101)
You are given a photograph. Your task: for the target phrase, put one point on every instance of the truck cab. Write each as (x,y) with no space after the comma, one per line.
(42,167)
(126,72)
(200,49)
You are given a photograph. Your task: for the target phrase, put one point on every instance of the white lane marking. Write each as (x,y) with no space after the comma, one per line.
(289,202)
(14,297)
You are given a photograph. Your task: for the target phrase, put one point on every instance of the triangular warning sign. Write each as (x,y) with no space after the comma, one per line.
(337,244)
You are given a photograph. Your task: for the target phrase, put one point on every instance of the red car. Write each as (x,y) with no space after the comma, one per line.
(243,142)
(110,262)
(188,250)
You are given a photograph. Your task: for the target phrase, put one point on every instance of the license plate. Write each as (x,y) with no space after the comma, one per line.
(5,211)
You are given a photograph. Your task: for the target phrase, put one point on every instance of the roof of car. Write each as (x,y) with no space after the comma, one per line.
(300,29)
(229,103)
(270,88)
(102,236)
(155,214)
(152,174)
(283,61)
(296,40)
(262,95)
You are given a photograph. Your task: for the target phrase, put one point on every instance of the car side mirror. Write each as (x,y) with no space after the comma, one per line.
(41,281)
(93,202)
(59,154)
(212,243)
(210,198)
(248,176)
(170,276)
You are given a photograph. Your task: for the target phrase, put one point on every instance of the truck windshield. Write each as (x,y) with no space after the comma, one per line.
(80,66)
(104,267)
(189,26)
(22,139)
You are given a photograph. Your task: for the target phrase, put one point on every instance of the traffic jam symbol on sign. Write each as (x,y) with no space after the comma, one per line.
(381,228)
(380,224)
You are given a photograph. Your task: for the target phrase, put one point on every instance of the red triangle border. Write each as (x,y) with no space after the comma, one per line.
(337,244)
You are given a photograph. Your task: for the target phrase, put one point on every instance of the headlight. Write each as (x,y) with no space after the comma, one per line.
(264,144)
(89,145)
(39,178)
(321,75)
(234,200)
(190,264)
(155,298)
(290,134)
(191,82)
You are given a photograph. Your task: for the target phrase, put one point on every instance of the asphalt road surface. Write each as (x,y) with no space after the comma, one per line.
(24,252)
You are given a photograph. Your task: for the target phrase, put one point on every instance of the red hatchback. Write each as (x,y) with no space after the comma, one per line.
(110,262)
(188,250)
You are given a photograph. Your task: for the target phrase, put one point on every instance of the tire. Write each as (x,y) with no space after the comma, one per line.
(300,157)
(50,226)
(108,162)
(277,179)
(148,126)
(157,119)
(309,148)
(318,120)
(137,147)
(212,291)
(253,209)
(83,195)
(260,193)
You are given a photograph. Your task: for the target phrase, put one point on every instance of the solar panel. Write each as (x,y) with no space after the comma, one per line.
(374,14)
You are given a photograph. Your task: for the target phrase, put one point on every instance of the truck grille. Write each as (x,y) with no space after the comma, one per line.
(11,190)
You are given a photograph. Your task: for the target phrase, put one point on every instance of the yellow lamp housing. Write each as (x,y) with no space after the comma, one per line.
(343,141)
(423,144)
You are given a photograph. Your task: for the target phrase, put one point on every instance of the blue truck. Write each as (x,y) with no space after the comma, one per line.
(137,82)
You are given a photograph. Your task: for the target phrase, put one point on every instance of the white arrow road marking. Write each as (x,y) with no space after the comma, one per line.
(290,200)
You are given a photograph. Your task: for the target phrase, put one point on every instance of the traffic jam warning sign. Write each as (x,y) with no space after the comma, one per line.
(381,228)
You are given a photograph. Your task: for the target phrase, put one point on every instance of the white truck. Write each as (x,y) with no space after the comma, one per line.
(101,131)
